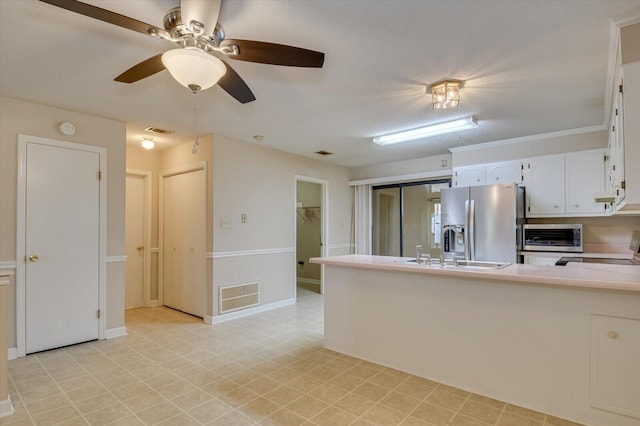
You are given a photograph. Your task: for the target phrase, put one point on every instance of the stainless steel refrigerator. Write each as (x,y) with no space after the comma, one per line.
(482,222)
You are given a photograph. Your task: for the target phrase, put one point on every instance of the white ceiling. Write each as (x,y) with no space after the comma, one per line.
(530,67)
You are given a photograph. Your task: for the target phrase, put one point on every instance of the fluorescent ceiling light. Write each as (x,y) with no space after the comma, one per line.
(427,131)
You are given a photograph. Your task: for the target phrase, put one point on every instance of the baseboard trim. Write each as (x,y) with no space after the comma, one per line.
(116,259)
(112,333)
(250,311)
(308,281)
(6,407)
(12,353)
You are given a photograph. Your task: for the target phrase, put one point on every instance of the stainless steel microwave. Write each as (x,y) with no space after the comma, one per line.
(555,237)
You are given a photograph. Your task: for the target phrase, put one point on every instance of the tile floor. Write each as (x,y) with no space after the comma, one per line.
(267,369)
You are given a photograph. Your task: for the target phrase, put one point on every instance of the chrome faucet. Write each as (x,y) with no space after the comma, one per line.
(422,258)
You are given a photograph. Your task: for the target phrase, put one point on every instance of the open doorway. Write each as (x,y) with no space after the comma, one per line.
(310,232)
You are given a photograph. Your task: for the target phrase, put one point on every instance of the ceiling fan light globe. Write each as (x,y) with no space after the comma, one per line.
(192,66)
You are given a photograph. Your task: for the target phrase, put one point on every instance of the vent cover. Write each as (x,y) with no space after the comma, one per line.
(239,296)
(156,130)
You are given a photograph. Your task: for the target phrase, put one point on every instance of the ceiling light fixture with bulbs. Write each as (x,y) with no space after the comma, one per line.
(428,131)
(193,67)
(147,142)
(196,70)
(445,94)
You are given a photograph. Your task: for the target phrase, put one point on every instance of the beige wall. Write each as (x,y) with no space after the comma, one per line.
(432,164)
(260,182)
(489,153)
(23,117)
(630,41)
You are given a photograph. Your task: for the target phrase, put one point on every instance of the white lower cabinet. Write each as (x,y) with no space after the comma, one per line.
(615,364)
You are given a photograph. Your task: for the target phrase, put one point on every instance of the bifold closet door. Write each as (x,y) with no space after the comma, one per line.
(184,235)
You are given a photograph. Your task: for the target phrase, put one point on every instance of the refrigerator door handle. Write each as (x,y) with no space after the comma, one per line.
(469,230)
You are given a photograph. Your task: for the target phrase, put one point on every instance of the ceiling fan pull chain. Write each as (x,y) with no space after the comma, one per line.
(196,142)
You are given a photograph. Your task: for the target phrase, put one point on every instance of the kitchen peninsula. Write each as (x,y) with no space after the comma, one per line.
(561,340)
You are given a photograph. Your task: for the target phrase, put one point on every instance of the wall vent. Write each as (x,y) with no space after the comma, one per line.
(238,296)
(156,130)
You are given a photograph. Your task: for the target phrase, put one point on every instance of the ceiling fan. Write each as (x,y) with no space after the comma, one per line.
(194,27)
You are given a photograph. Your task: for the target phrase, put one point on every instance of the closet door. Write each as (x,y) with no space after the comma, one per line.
(184,235)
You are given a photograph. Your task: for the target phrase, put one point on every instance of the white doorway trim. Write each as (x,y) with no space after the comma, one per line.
(201,165)
(324,223)
(20,233)
(146,286)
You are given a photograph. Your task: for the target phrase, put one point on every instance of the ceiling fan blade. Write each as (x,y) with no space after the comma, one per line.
(204,11)
(104,15)
(234,85)
(142,70)
(275,54)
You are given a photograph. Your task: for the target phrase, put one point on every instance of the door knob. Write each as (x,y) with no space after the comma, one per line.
(33,258)
(140,248)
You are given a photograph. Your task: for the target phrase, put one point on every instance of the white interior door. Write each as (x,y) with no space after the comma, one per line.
(184,245)
(62,237)
(134,240)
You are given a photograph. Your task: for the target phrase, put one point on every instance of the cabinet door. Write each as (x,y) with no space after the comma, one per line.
(616,146)
(584,176)
(469,176)
(540,260)
(615,376)
(505,172)
(544,182)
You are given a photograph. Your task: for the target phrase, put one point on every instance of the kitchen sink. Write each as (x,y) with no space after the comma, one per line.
(461,263)
(483,264)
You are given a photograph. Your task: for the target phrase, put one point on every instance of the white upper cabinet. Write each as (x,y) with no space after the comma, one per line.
(469,176)
(544,186)
(615,163)
(555,185)
(584,176)
(627,144)
(505,172)
(565,184)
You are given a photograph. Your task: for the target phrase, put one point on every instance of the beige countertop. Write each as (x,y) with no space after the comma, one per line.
(592,275)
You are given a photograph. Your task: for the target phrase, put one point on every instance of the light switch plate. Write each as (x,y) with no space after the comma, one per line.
(225,223)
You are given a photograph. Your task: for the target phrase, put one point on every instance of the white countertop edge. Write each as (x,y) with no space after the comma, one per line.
(595,276)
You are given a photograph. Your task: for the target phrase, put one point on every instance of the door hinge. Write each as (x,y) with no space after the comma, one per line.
(616,111)
(620,89)
(622,185)
(614,167)
(98,314)
(606,157)
(99,175)
(613,128)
